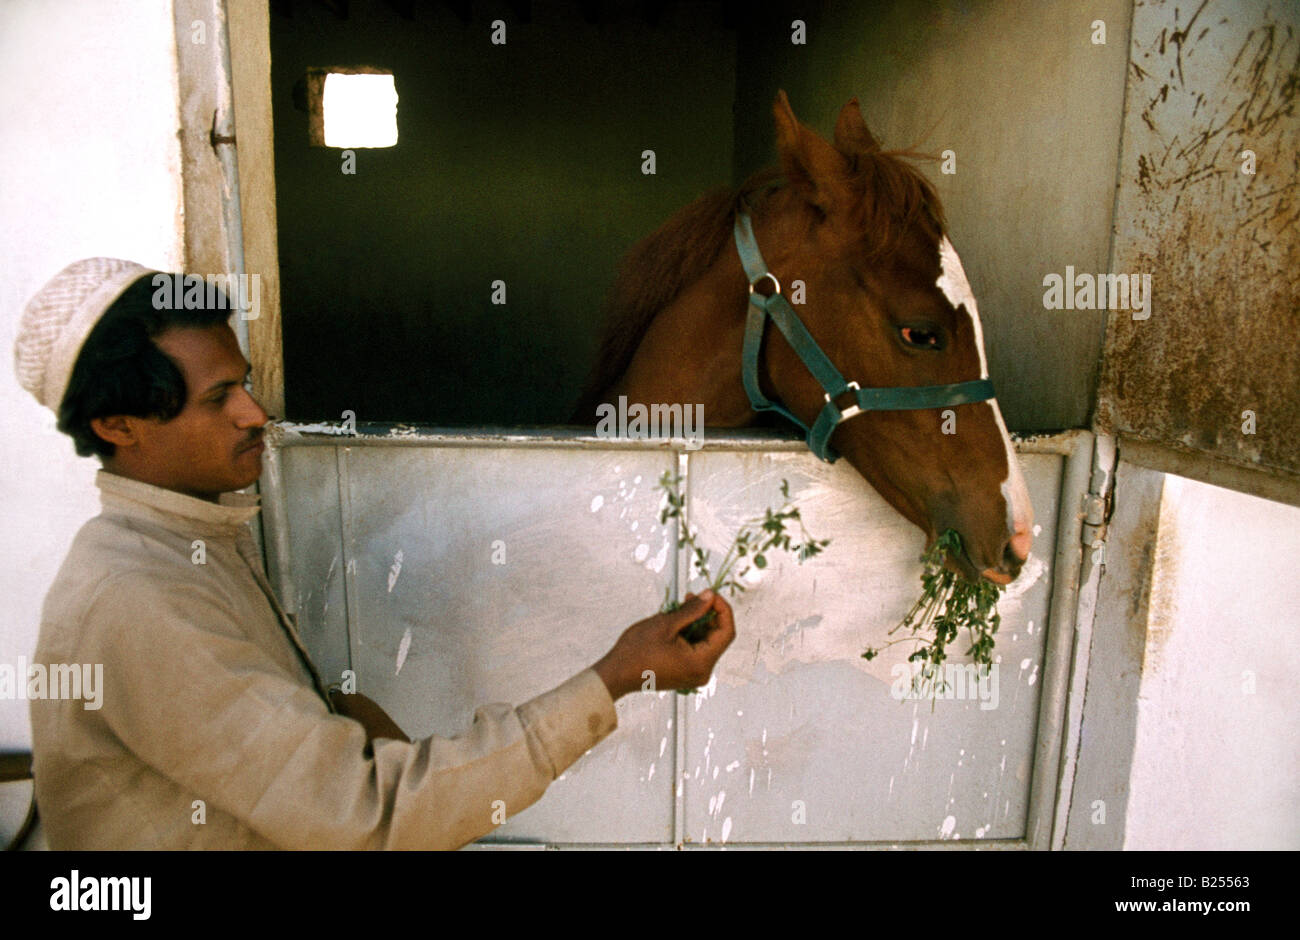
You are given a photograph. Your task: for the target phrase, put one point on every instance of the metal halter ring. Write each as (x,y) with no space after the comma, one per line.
(766,275)
(853,409)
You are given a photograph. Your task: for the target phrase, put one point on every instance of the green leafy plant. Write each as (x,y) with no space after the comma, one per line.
(948,603)
(749,549)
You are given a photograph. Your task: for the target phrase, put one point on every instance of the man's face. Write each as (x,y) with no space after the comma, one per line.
(214,445)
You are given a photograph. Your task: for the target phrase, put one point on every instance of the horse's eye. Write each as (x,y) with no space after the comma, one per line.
(921,339)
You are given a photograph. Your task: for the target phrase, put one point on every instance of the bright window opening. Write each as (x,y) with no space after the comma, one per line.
(360,110)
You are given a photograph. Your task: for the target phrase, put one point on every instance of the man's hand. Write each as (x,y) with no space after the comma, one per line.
(656,645)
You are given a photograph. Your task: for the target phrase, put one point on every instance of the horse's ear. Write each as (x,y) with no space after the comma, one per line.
(851,134)
(813,167)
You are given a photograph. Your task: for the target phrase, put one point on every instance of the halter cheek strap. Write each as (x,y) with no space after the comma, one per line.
(775,306)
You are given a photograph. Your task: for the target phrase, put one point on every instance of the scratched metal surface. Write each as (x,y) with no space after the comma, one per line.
(1208,81)
(316,549)
(441,630)
(798,724)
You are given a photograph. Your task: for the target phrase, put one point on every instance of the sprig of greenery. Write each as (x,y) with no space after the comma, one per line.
(947,604)
(748,549)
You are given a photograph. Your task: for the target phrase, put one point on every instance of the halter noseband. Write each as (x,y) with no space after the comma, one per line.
(833,385)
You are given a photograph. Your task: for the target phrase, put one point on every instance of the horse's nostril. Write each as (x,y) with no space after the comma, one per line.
(1011,560)
(1018,547)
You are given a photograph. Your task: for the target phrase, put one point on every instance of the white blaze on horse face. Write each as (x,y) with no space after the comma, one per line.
(952,281)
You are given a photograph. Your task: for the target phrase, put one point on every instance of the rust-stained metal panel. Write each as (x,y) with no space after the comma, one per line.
(1212,86)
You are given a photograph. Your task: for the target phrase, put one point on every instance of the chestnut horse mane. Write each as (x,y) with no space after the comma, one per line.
(660,266)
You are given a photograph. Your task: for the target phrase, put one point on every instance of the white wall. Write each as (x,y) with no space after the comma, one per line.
(1216,764)
(88,124)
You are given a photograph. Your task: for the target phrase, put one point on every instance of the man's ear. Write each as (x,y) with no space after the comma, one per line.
(118,430)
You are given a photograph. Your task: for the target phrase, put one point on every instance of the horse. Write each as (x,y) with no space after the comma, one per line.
(883,300)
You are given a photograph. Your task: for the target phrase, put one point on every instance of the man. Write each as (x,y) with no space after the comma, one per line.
(214,729)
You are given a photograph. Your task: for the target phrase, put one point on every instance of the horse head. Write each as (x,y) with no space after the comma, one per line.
(885,296)
(855,237)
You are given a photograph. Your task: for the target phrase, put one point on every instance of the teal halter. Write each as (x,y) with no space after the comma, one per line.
(833,385)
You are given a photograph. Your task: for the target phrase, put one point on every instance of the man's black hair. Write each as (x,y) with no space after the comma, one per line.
(121,371)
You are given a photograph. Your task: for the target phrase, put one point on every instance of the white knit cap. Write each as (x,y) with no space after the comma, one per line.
(56,322)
